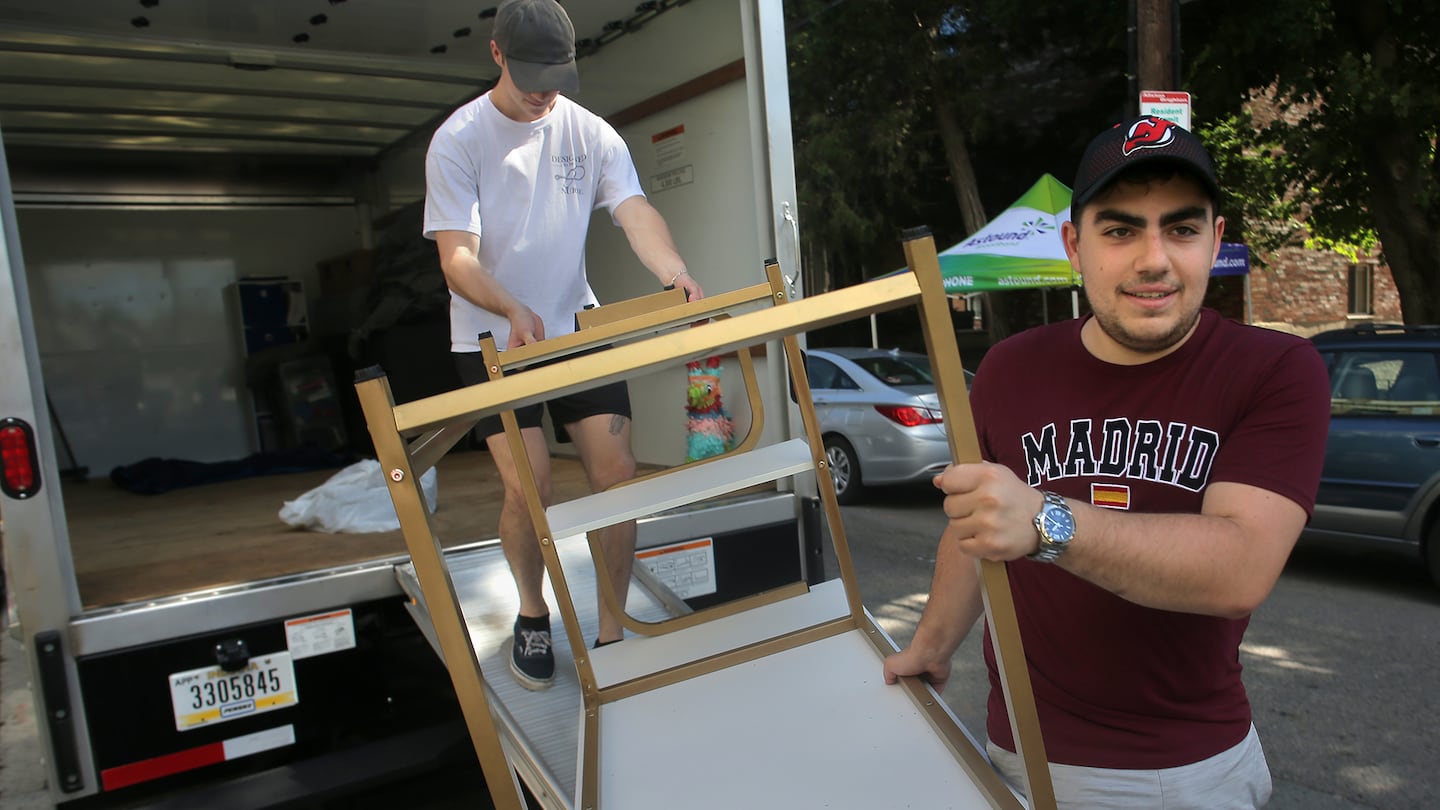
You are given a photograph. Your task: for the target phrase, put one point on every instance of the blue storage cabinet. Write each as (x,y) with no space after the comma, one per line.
(272,313)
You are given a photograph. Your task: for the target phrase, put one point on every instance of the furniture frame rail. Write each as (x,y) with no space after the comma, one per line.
(649,334)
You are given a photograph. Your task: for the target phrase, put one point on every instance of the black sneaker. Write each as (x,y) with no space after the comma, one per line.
(531,659)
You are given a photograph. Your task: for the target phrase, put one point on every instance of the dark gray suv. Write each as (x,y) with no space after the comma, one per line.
(1381,483)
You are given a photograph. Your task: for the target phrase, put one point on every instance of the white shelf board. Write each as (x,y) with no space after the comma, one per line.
(684,485)
(812,726)
(643,655)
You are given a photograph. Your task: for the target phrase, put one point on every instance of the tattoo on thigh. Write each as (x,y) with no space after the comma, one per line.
(617,424)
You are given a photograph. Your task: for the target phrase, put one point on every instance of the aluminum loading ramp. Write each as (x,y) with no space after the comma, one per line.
(763,701)
(538,729)
(788,705)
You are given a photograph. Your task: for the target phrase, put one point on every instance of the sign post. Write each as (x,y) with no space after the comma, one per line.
(1172,105)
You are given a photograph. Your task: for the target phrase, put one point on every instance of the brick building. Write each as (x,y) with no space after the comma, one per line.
(1300,290)
(1307,291)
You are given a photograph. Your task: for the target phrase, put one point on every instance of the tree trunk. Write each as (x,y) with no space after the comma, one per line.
(957,159)
(1410,241)
(998,315)
(1401,171)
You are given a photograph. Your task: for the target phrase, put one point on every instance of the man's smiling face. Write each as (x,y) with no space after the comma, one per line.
(1144,250)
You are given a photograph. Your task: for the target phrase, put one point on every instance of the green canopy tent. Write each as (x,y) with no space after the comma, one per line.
(1020,249)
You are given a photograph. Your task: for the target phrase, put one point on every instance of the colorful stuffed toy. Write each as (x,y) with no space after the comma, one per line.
(710,430)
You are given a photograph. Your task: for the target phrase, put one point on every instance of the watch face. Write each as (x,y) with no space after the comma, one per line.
(1059,524)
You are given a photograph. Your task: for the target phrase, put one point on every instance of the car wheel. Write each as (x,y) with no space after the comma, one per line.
(1432,548)
(844,469)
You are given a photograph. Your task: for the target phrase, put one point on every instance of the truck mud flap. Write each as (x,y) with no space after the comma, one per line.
(56,694)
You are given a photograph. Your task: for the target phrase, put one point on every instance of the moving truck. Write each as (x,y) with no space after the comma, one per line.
(210,216)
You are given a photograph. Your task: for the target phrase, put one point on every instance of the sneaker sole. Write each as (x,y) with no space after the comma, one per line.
(533,684)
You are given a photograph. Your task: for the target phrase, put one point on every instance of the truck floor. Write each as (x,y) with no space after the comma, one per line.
(130,548)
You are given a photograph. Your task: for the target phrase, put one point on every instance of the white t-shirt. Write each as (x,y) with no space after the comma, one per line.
(527,189)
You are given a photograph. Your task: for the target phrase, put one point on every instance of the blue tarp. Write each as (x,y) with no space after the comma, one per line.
(153,476)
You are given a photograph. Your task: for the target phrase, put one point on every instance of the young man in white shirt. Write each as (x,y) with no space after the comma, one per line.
(511,180)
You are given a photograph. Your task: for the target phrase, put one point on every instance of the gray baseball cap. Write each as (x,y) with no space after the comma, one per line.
(538,43)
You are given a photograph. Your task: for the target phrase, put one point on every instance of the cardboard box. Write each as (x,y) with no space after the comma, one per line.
(342,274)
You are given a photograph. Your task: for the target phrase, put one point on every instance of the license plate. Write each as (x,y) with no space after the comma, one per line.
(203,697)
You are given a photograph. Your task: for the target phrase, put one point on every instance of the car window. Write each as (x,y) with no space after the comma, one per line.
(825,374)
(897,370)
(1384,382)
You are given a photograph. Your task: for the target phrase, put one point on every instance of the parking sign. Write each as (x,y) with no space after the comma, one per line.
(1172,105)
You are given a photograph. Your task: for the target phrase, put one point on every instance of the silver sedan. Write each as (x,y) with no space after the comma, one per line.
(879,416)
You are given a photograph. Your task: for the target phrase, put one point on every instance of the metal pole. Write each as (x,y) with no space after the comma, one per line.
(1132,69)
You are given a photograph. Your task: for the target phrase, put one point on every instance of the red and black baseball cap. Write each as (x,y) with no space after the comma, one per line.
(1143,140)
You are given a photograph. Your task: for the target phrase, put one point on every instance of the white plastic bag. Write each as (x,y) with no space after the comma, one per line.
(352,500)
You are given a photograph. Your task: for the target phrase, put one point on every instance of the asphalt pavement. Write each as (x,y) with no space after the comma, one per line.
(22,775)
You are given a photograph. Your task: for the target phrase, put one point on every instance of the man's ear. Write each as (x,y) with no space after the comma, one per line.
(1070,237)
(496,55)
(1219,234)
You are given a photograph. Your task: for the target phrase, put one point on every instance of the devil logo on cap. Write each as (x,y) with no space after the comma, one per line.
(1148,133)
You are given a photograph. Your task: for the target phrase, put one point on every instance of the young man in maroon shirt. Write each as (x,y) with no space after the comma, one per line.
(1148,470)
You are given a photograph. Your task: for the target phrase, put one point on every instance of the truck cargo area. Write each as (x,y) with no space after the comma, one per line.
(135,548)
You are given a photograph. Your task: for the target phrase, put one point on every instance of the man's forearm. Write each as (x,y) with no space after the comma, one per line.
(955,602)
(466,278)
(650,239)
(1223,562)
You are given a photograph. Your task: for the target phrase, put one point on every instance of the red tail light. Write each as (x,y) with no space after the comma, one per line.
(909,416)
(18,462)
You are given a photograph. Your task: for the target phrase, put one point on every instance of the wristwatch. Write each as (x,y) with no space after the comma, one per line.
(1056,526)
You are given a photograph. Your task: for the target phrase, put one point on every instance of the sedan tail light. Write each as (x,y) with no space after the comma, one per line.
(910,416)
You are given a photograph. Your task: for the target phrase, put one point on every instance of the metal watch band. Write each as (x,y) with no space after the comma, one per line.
(1050,550)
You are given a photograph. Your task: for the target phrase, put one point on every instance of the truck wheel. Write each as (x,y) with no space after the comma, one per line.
(844,469)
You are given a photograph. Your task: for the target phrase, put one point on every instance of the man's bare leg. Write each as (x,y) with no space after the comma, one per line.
(517,533)
(604,445)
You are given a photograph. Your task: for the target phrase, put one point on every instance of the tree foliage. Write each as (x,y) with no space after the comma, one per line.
(910,112)
(880,89)
(1345,127)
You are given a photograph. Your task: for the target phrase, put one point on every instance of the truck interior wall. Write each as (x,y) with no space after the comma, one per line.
(696,163)
(141,357)
(399,175)
(712,218)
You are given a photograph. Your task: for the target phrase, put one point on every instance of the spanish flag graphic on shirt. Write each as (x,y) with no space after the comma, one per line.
(1110,496)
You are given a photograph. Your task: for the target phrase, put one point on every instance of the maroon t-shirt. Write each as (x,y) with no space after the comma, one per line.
(1118,685)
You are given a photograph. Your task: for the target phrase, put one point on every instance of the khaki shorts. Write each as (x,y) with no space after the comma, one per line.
(1234,779)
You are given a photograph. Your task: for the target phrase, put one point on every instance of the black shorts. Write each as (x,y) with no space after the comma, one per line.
(606,399)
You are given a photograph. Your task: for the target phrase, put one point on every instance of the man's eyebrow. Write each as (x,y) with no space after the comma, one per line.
(1186,214)
(1114,215)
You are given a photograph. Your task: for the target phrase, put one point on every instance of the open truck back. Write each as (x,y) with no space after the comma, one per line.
(167,164)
